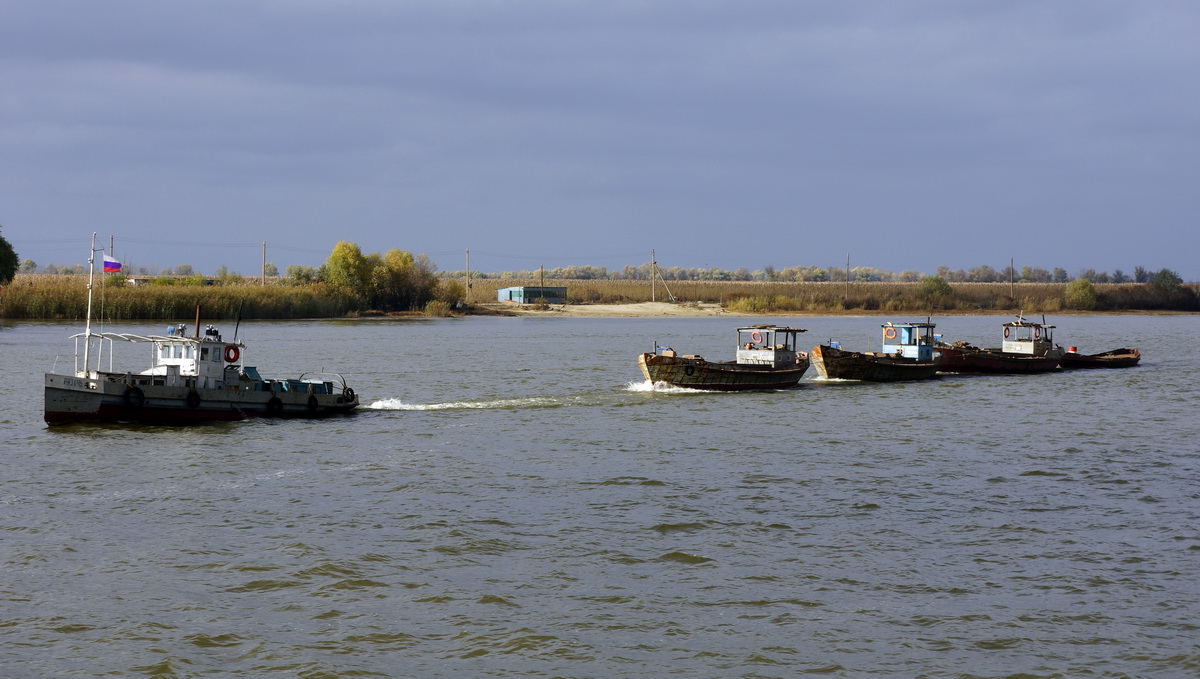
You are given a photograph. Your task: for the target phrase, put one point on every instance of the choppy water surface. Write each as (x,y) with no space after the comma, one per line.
(515,502)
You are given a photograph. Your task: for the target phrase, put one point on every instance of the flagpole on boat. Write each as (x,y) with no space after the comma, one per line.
(87,328)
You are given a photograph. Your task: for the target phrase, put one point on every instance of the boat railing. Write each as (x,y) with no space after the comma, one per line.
(310,375)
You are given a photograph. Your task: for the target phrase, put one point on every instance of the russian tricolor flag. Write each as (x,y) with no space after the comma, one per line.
(111,265)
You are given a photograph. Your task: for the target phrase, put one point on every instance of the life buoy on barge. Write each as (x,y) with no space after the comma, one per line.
(232,353)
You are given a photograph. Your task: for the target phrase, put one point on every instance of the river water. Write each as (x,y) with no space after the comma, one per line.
(514,502)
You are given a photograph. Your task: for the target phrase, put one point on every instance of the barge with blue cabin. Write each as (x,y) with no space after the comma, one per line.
(906,353)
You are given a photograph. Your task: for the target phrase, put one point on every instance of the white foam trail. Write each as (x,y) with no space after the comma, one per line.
(662,388)
(398,404)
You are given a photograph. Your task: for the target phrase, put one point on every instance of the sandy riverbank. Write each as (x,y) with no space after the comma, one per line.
(642,309)
(693,310)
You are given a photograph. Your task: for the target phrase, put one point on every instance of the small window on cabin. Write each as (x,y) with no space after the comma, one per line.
(191,351)
(203,353)
(178,351)
(166,352)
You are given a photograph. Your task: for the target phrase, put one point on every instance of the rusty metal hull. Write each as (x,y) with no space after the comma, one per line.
(1116,358)
(834,363)
(698,373)
(993,361)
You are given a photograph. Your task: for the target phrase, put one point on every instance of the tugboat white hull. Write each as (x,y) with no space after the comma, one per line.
(112,399)
(193,379)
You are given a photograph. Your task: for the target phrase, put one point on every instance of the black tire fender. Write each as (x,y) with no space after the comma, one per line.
(134,398)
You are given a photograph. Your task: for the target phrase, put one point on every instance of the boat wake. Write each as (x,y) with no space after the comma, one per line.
(496,404)
(661,388)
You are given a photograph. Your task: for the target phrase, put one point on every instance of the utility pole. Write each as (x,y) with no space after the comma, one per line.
(468,275)
(653,270)
(847,275)
(264,266)
(1011,291)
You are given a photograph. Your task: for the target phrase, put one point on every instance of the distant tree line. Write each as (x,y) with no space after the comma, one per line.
(815,274)
(397,280)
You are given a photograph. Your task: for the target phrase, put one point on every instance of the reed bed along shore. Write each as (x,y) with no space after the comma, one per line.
(64,297)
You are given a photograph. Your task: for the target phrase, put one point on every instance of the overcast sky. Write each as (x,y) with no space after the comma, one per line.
(554,132)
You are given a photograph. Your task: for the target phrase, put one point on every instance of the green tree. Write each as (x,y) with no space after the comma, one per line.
(347,267)
(1080,294)
(934,290)
(301,274)
(1166,280)
(28,266)
(452,291)
(391,280)
(8,261)
(270,269)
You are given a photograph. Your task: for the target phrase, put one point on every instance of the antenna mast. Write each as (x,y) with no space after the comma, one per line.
(87,328)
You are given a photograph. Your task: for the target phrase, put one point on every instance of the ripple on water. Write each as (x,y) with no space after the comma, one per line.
(486,522)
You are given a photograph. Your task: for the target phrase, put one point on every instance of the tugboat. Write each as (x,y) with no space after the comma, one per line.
(1027,347)
(202,378)
(766,359)
(906,353)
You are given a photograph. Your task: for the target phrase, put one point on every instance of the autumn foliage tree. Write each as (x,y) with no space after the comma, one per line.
(393,281)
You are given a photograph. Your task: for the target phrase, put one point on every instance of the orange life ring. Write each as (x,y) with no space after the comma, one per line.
(890,333)
(1006,333)
(231,353)
(1037,332)
(756,337)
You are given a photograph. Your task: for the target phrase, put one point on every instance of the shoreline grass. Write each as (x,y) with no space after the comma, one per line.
(64,297)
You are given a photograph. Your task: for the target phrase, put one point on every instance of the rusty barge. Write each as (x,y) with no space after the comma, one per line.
(1027,347)
(767,358)
(906,353)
